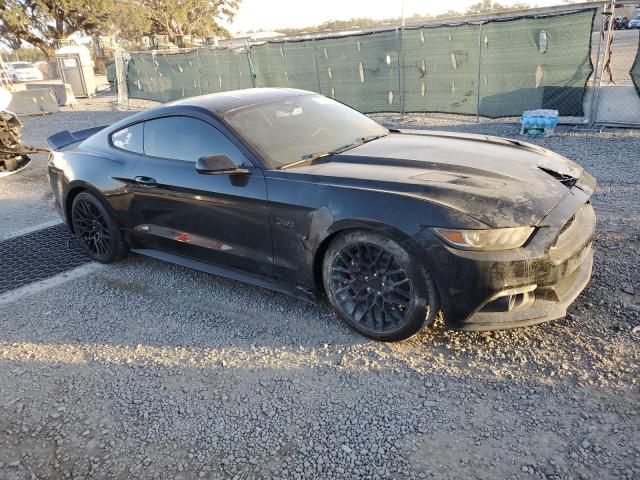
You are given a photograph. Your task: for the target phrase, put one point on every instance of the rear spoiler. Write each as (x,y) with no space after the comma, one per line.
(66,138)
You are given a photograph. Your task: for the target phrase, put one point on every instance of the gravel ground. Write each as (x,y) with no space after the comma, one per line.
(147,370)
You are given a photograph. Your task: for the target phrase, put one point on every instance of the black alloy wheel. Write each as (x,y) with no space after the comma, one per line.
(92,228)
(373,284)
(98,233)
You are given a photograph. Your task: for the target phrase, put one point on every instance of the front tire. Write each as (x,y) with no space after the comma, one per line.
(375,285)
(95,228)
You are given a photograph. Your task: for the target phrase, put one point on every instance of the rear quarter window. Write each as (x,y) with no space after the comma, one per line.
(129,138)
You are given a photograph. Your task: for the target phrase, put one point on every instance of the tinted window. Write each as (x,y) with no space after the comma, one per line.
(129,138)
(186,138)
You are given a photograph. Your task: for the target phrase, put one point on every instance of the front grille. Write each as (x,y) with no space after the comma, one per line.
(38,255)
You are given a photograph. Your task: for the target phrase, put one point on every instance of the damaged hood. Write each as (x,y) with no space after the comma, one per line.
(500,182)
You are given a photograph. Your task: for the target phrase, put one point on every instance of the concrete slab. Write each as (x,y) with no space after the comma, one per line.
(62,91)
(34,102)
(618,104)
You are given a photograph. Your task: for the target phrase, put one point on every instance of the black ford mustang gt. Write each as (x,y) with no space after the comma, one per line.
(293,191)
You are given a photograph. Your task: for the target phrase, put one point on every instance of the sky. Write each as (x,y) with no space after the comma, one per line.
(274,14)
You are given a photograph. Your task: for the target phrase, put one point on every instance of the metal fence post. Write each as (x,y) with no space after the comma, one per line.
(400,49)
(199,69)
(601,62)
(315,59)
(592,114)
(286,61)
(479,74)
(268,65)
(156,67)
(230,69)
(121,77)
(251,71)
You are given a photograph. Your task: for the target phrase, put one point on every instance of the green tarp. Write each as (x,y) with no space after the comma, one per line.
(110,70)
(169,76)
(520,72)
(500,67)
(441,69)
(224,70)
(635,69)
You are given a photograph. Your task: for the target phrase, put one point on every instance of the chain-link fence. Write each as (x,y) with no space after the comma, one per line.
(616,98)
(488,67)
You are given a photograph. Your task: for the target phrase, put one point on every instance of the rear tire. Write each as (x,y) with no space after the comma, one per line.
(97,231)
(375,285)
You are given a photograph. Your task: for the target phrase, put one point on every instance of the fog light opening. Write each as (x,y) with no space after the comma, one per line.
(510,302)
(505,304)
(522,300)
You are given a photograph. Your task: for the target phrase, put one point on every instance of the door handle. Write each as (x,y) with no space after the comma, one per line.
(146,181)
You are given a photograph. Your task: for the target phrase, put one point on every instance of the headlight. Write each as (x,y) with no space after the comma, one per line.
(494,239)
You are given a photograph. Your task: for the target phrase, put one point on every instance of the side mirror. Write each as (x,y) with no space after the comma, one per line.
(218,165)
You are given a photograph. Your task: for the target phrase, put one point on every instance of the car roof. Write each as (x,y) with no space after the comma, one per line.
(216,104)
(222,103)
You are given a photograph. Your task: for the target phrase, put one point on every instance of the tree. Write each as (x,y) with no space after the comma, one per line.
(177,18)
(487,6)
(449,13)
(362,22)
(483,7)
(129,22)
(25,55)
(42,23)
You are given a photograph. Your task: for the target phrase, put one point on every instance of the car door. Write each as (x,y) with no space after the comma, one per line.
(221,219)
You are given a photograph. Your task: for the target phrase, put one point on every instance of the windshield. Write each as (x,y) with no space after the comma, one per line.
(296,128)
(21,66)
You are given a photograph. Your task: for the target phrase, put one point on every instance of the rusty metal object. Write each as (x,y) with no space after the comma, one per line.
(13,153)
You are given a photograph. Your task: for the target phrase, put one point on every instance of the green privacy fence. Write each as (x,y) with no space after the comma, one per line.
(635,70)
(110,70)
(169,76)
(495,68)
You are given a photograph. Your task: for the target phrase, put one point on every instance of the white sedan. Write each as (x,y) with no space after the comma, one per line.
(23,72)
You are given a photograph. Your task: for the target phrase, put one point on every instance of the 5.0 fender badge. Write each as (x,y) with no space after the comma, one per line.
(281,222)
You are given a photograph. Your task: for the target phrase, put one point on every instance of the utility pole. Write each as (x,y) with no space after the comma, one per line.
(400,40)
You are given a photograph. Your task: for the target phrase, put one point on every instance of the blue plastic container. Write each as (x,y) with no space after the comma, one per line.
(538,123)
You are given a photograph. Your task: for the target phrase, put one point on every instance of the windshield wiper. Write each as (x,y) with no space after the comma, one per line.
(311,157)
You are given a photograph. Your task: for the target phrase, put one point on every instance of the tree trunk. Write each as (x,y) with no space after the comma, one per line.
(47,49)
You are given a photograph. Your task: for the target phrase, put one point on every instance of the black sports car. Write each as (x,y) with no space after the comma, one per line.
(293,191)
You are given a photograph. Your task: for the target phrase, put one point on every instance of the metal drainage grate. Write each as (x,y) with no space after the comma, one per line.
(38,255)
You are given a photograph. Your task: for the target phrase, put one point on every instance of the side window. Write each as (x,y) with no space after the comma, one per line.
(186,138)
(129,138)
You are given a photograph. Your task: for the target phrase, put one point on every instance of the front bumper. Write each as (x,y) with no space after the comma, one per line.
(525,286)
(549,302)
